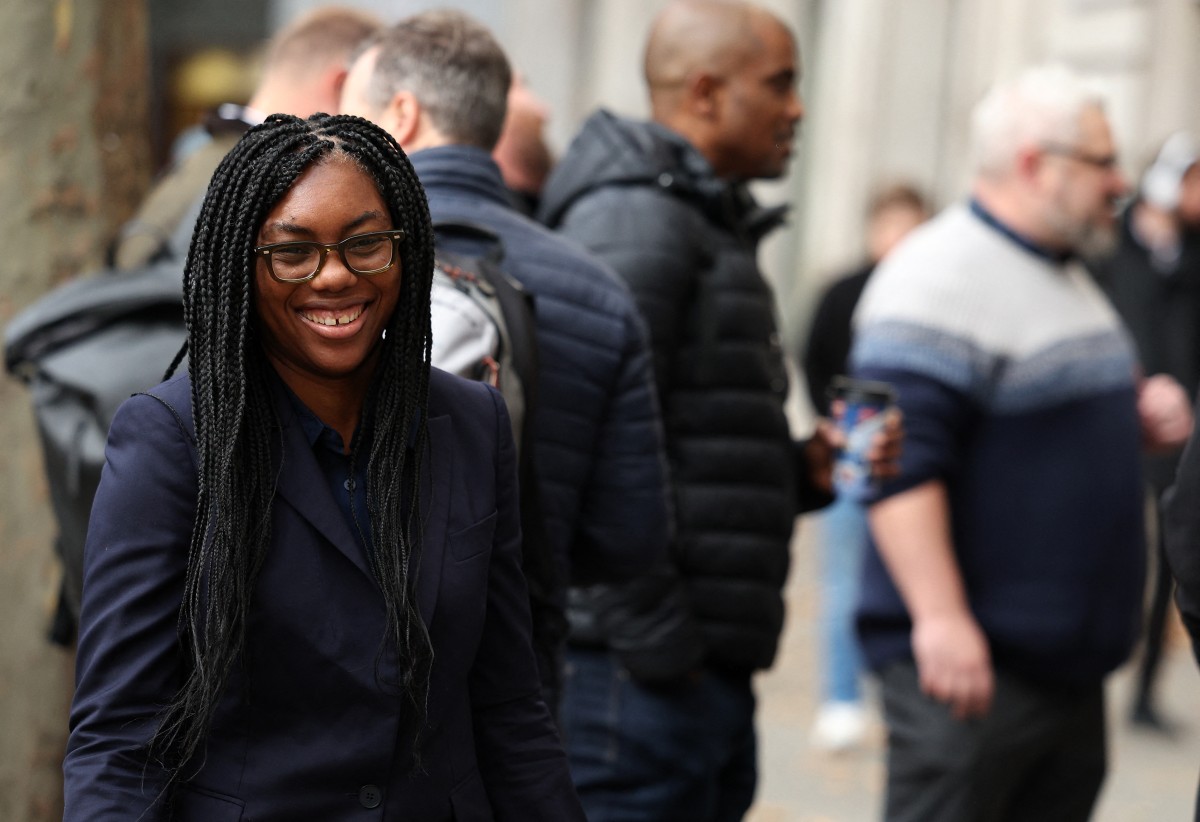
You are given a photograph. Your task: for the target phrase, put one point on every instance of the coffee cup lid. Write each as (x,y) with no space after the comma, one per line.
(874,392)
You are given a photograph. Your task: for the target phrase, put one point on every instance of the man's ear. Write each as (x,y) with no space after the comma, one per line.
(1028,162)
(336,81)
(402,118)
(704,94)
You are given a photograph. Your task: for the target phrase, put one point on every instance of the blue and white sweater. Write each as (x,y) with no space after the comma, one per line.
(1017,383)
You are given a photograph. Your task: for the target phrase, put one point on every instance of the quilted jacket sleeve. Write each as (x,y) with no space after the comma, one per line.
(641,233)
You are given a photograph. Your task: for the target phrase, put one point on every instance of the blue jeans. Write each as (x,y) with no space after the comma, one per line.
(843,536)
(681,752)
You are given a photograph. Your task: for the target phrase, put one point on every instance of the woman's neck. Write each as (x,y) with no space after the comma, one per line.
(337,402)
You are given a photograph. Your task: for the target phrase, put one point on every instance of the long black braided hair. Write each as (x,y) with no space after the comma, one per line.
(236,425)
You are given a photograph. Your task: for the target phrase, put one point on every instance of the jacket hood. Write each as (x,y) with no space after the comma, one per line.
(612,150)
(615,151)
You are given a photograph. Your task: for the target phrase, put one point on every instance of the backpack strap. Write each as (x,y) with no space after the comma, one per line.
(546,586)
(516,304)
(492,246)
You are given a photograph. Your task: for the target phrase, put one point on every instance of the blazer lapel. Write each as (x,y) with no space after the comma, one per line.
(302,484)
(435,508)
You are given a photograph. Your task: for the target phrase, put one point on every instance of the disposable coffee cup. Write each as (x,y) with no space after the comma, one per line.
(860,411)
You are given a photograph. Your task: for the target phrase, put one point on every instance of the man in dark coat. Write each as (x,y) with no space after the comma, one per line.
(437,82)
(658,709)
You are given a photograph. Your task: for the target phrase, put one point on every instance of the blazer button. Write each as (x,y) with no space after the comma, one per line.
(370,796)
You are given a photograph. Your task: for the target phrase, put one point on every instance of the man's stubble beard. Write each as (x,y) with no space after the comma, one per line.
(1092,236)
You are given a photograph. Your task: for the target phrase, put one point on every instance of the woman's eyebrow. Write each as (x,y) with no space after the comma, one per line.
(366,216)
(286,227)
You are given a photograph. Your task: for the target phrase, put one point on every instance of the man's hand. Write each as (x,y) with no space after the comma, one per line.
(954,664)
(820,452)
(887,446)
(1165,413)
(827,440)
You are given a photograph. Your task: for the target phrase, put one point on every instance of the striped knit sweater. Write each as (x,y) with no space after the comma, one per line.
(1017,383)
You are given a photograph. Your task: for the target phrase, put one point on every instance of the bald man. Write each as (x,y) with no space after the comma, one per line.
(658,710)
(723,76)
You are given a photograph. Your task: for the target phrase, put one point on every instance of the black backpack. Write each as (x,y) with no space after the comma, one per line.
(82,350)
(471,257)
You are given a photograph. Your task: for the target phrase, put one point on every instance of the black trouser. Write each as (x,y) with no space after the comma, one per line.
(1039,754)
(1156,619)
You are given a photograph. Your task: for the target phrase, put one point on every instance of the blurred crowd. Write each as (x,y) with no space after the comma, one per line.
(1030,511)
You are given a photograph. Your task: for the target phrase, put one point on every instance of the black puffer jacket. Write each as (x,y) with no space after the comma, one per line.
(646,202)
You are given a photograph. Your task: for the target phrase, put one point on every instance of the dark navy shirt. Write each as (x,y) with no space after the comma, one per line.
(349,490)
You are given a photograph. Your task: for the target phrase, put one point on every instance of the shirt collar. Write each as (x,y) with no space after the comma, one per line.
(316,432)
(1051,256)
(460,170)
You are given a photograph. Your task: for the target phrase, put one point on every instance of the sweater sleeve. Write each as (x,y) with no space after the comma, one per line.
(935,382)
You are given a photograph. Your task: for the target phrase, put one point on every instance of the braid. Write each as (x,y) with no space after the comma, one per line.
(238,435)
(399,397)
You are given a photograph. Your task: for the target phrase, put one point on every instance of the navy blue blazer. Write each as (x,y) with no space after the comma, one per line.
(304,730)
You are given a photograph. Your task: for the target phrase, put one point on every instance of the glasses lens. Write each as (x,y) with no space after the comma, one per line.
(294,261)
(368,252)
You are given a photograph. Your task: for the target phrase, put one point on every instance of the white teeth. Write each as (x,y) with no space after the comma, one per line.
(344,319)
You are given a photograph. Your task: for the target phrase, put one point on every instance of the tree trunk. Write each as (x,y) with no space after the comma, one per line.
(74,160)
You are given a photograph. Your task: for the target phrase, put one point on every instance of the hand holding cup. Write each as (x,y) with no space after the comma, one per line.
(871,430)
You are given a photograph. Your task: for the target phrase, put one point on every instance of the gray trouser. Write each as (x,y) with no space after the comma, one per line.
(1039,754)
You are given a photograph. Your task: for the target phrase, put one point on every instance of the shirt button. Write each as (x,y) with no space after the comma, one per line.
(348,485)
(370,796)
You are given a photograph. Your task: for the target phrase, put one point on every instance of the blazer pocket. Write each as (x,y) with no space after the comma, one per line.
(195,804)
(470,801)
(474,539)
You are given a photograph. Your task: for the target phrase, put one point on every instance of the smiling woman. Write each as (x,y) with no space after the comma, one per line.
(322,315)
(307,548)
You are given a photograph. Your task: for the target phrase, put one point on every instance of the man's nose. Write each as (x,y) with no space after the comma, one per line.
(1120,182)
(796,108)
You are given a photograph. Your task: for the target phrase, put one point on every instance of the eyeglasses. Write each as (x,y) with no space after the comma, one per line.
(1104,162)
(301,260)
